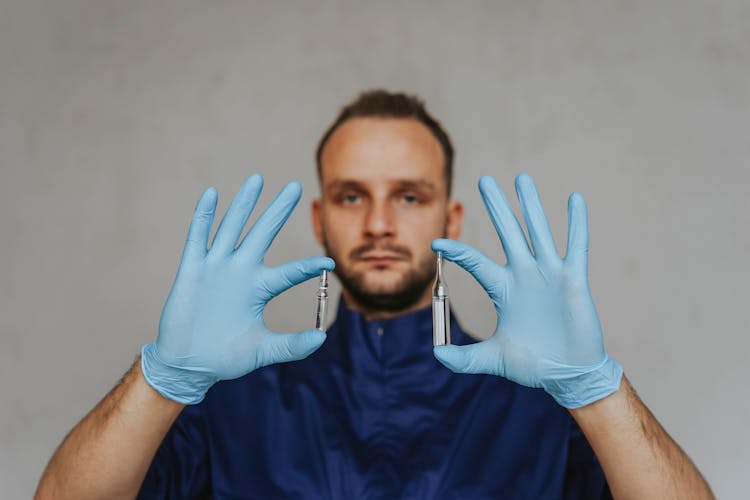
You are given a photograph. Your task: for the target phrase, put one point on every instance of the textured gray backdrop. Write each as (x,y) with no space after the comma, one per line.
(115,115)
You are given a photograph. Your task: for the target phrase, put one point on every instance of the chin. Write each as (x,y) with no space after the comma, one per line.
(385,281)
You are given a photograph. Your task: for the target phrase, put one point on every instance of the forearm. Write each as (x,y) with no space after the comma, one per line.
(639,458)
(108,453)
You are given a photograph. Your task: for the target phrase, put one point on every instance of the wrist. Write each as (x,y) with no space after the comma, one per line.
(147,391)
(587,385)
(173,382)
(606,409)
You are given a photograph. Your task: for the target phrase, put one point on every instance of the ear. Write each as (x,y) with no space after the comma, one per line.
(317,224)
(455,219)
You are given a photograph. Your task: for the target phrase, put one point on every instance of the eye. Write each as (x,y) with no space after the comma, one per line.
(351,198)
(410,199)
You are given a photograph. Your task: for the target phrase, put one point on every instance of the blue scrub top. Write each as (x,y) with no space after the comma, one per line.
(373,415)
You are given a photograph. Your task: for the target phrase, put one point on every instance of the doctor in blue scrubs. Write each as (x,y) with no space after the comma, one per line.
(219,406)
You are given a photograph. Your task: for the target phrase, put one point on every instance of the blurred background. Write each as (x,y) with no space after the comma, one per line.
(114,116)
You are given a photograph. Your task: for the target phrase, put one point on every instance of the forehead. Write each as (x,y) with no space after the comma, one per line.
(382,151)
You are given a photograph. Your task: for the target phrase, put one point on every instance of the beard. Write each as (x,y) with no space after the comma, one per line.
(396,297)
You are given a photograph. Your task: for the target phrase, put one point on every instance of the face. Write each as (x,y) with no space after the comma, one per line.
(383,200)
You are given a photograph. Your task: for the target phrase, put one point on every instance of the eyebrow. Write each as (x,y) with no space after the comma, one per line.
(402,184)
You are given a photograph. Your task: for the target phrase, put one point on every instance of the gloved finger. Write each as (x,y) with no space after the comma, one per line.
(268,225)
(578,233)
(196,244)
(489,275)
(282,347)
(536,221)
(237,214)
(473,358)
(505,222)
(281,278)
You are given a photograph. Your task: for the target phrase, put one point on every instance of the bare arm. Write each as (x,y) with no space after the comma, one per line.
(108,453)
(548,335)
(211,329)
(639,458)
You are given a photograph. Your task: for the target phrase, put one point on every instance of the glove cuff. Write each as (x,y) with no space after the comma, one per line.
(586,386)
(174,383)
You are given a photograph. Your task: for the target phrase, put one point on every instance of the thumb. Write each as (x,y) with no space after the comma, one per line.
(281,278)
(282,347)
(472,358)
(488,274)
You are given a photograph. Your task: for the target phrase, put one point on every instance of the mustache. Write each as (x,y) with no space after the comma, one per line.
(359,252)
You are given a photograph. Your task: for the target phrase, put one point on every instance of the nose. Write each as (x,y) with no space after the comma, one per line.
(379,221)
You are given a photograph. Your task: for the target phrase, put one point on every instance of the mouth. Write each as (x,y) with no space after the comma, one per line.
(381,259)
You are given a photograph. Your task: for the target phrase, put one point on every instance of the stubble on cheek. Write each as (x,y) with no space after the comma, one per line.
(401,290)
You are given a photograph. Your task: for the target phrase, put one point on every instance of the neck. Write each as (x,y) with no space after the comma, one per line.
(371,314)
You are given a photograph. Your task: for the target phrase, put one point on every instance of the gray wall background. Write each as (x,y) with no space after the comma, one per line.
(115,115)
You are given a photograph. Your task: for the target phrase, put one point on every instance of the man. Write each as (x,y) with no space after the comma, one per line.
(371,413)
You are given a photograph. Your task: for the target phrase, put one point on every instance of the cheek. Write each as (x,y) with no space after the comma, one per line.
(340,228)
(421,227)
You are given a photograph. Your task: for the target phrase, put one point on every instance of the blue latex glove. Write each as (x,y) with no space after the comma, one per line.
(548,334)
(212,325)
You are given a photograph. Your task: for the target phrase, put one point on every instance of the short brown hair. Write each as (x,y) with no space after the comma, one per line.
(383,104)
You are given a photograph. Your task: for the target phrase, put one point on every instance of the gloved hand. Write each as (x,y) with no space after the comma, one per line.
(548,334)
(212,325)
